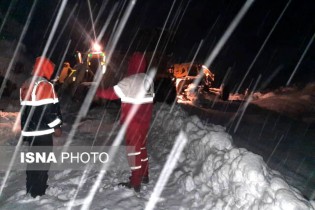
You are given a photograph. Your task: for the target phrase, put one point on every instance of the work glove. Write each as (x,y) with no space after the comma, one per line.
(58,132)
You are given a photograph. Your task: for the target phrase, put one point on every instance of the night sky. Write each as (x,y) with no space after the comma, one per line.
(189,23)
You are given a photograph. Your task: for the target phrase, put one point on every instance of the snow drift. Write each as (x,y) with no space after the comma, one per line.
(216,175)
(211,173)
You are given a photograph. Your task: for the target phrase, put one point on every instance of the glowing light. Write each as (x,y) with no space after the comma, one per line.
(103,69)
(97,47)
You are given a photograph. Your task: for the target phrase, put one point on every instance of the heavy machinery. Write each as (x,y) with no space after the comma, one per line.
(74,82)
(185,74)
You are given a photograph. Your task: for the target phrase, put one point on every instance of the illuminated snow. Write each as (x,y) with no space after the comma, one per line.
(211,172)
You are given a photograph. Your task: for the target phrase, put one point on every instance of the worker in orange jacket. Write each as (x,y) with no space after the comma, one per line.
(40,119)
(135,90)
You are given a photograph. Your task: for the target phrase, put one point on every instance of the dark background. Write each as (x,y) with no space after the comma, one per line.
(189,23)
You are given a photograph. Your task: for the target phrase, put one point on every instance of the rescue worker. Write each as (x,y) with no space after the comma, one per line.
(63,80)
(136,89)
(40,119)
(208,78)
(65,72)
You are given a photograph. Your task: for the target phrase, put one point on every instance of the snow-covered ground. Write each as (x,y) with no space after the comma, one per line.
(279,125)
(212,172)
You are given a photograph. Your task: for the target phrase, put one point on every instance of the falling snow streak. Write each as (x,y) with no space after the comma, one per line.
(87,169)
(263,45)
(117,24)
(116,35)
(249,99)
(63,58)
(229,32)
(81,183)
(167,170)
(100,12)
(193,60)
(270,78)
(91,17)
(98,77)
(50,22)
(53,31)
(225,37)
(88,98)
(108,19)
(83,33)
(62,30)
(82,113)
(98,128)
(224,81)
(74,25)
(201,42)
(300,60)
(157,114)
(174,23)
(112,152)
(128,50)
(91,12)
(82,30)
(196,53)
(212,27)
(180,20)
(163,28)
(17,148)
(176,16)
(121,11)
(226,76)
(263,126)
(232,120)
(17,48)
(1,91)
(7,173)
(6,15)
(63,5)
(51,35)
(282,136)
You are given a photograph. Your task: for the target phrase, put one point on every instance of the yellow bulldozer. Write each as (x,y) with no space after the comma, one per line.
(184,74)
(74,82)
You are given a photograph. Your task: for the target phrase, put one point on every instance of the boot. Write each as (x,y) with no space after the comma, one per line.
(145,180)
(129,186)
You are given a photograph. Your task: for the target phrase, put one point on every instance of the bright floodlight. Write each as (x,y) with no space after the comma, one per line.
(96,47)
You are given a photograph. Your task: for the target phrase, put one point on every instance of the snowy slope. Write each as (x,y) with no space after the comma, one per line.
(294,102)
(211,173)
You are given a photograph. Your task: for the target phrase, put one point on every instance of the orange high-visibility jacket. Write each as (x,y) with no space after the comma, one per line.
(40,112)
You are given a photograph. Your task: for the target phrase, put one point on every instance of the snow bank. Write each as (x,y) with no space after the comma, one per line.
(7,120)
(291,101)
(211,174)
(308,90)
(216,175)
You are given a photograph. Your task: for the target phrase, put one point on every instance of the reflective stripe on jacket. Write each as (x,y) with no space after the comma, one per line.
(40,113)
(135,89)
